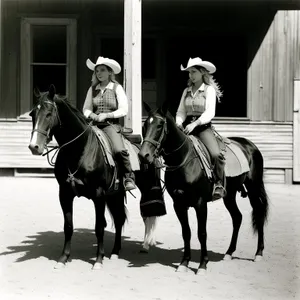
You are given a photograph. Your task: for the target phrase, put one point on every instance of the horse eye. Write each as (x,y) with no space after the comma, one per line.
(48,115)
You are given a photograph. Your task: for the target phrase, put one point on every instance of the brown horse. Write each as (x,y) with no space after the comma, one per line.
(189,186)
(81,170)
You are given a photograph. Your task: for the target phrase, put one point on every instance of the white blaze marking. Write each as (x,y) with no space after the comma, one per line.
(34,137)
(150,120)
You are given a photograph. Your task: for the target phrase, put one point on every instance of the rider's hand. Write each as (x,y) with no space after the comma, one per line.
(101,117)
(190,127)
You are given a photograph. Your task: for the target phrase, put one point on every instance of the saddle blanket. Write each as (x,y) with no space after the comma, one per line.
(107,147)
(236,162)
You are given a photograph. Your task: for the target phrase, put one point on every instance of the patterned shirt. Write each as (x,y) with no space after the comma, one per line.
(202,103)
(110,99)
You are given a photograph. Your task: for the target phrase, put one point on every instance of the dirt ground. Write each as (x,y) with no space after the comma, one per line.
(31,235)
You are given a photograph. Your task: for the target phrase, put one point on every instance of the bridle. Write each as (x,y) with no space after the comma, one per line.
(157,144)
(44,132)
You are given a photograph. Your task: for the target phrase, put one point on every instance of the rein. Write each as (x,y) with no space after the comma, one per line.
(57,148)
(157,145)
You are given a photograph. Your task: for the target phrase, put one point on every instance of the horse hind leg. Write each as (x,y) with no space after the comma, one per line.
(100,225)
(117,209)
(236,216)
(66,201)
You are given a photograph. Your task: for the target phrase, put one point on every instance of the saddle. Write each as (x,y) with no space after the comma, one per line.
(133,138)
(130,141)
(236,162)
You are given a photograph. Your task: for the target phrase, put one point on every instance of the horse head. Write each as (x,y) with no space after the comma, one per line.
(44,118)
(155,132)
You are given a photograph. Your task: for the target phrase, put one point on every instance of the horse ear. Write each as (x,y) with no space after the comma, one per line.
(147,107)
(52,91)
(36,92)
(164,108)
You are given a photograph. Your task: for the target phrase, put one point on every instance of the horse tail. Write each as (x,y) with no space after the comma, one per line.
(256,191)
(150,228)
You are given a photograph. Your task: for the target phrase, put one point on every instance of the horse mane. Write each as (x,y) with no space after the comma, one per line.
(71,107)
(90,157)
(91,154)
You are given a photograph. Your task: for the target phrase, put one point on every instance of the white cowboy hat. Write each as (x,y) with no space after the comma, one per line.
(197,61)
(104,61)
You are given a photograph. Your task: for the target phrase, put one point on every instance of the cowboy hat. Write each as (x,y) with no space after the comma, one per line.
(197,61)
(104,61)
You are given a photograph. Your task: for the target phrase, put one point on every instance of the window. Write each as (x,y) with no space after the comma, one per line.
(48,56)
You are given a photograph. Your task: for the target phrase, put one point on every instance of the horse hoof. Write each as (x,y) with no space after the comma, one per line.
(59,266)
(97,266)
(145,248)
(227,257)
(114,257)
(258,258)
(182,269)
(201,272)
(144,251)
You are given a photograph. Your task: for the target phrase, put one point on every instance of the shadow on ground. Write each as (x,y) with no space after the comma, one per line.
(49,244)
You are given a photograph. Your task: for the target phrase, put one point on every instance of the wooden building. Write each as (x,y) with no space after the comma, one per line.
(254,44)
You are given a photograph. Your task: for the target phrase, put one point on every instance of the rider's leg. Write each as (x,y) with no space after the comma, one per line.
(208,138)
(121,154)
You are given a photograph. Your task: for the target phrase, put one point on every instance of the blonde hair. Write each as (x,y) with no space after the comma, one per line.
(112,76)
(209,80)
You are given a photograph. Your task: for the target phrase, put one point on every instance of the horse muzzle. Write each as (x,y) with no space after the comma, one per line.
(145,156)
(36,149)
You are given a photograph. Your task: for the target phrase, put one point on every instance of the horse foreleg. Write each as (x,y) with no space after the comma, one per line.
(100,225)
(236,216)
(201,213)
(182,214)
(118,211)
(66,201)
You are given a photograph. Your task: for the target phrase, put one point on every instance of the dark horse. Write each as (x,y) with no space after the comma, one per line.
(188,185)
(81,170)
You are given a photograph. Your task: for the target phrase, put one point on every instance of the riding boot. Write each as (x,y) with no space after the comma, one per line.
(219,190)
(129,177)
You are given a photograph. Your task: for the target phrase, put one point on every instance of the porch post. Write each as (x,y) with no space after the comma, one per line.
(132,63)
(1,35)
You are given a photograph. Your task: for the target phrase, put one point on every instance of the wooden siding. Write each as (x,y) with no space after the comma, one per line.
(272,70)
(14,142)
(274,140)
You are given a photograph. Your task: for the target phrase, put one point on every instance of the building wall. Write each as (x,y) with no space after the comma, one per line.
(272,68)
(266,62)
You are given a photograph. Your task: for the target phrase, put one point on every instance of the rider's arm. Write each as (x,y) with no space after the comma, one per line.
(181,112)
(210,107)
(122,104)
(88,104)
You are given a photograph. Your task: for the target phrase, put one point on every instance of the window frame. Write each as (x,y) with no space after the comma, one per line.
(26,91)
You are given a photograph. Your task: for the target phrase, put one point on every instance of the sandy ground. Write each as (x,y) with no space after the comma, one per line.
(31,235)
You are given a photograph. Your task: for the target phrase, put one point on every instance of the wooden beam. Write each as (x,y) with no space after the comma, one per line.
(132,63)
(1,34)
